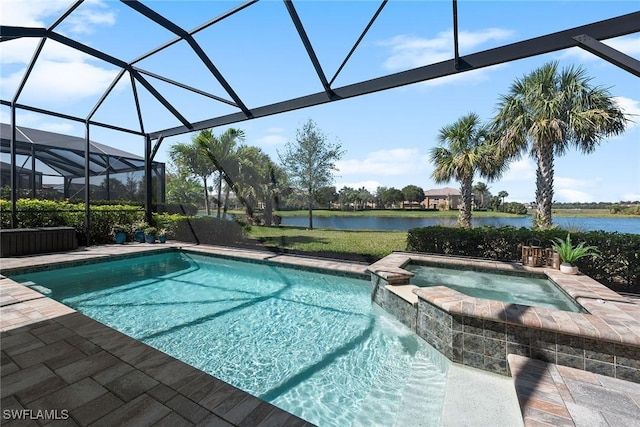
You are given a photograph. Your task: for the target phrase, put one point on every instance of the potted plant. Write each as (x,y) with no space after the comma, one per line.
(119,232)
(570,254)
(138,230)
(162,235)
(150,234)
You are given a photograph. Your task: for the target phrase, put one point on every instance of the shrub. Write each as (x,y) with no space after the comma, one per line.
(618,265)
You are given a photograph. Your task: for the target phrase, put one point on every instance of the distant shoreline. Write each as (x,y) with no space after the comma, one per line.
(591,213)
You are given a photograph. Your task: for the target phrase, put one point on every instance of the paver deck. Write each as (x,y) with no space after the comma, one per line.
(557,395)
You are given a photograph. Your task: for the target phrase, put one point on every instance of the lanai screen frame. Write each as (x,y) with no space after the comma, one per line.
(586,37)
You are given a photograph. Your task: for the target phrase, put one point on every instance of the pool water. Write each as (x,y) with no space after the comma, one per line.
(530,291)
(312,344)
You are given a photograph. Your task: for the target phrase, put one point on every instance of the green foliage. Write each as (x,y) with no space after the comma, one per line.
(120,228)
(618,265)
(33,213)
(549,111)
(514,208)
(151,231)
(310,161)
(391,197)
(413,193)
(570,253)
(139,225)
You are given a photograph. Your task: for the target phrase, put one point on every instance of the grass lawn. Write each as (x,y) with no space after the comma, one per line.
(370,244)
(593,213)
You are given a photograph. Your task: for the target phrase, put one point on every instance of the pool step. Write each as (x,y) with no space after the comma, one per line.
(380,405)
(38,288)
(423,394)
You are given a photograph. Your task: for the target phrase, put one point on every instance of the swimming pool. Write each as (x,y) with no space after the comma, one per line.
(312,344)
(527,290)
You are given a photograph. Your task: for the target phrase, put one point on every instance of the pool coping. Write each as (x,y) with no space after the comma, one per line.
(481,333)
(55,358)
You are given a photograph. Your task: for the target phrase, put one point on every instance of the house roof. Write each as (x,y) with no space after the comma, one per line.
(446,191)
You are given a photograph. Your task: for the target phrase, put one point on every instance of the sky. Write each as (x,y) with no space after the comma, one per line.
(386,136)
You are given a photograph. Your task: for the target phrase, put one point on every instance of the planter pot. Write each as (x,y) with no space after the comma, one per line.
(162,239)
(139,236)
(150,238)
(120,237)
(567,268)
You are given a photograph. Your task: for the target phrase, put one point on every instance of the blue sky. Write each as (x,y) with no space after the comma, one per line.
(387,135)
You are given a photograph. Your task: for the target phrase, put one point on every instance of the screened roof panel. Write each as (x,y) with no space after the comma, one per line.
(72,81)
(187,68)
(115,29)
(194,13)
(287,70)
(265,47)
(65,153)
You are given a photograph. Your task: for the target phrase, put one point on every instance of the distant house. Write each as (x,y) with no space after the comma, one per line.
(442,198)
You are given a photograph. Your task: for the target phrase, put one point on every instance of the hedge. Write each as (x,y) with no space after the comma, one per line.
(34,213)
(618,266)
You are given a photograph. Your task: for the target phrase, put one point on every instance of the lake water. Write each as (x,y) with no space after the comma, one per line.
(621,225)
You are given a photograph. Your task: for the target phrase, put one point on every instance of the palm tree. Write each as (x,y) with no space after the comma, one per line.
(482,189)
(260,180)
(467,152)
(190,159)
(548,111)
(503,195)
(220,150)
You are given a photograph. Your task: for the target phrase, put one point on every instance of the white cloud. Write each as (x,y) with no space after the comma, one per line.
(274,137)
(568,189)
(62,75)
(30,13)
(409,51)
(561,181)
(61,82)
(398,161)
(91,14)
(521,170)
(42,13)
(630,107)
(570,195)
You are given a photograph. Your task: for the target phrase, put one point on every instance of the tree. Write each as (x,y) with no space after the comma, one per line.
(363,196)
(481,190)
(326,196)
(182,189)
(413,194)
(221,152)
(310,162)
(190,159)
(259,179)
(503,195)
(391,197)
(548,111)
(463,151)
